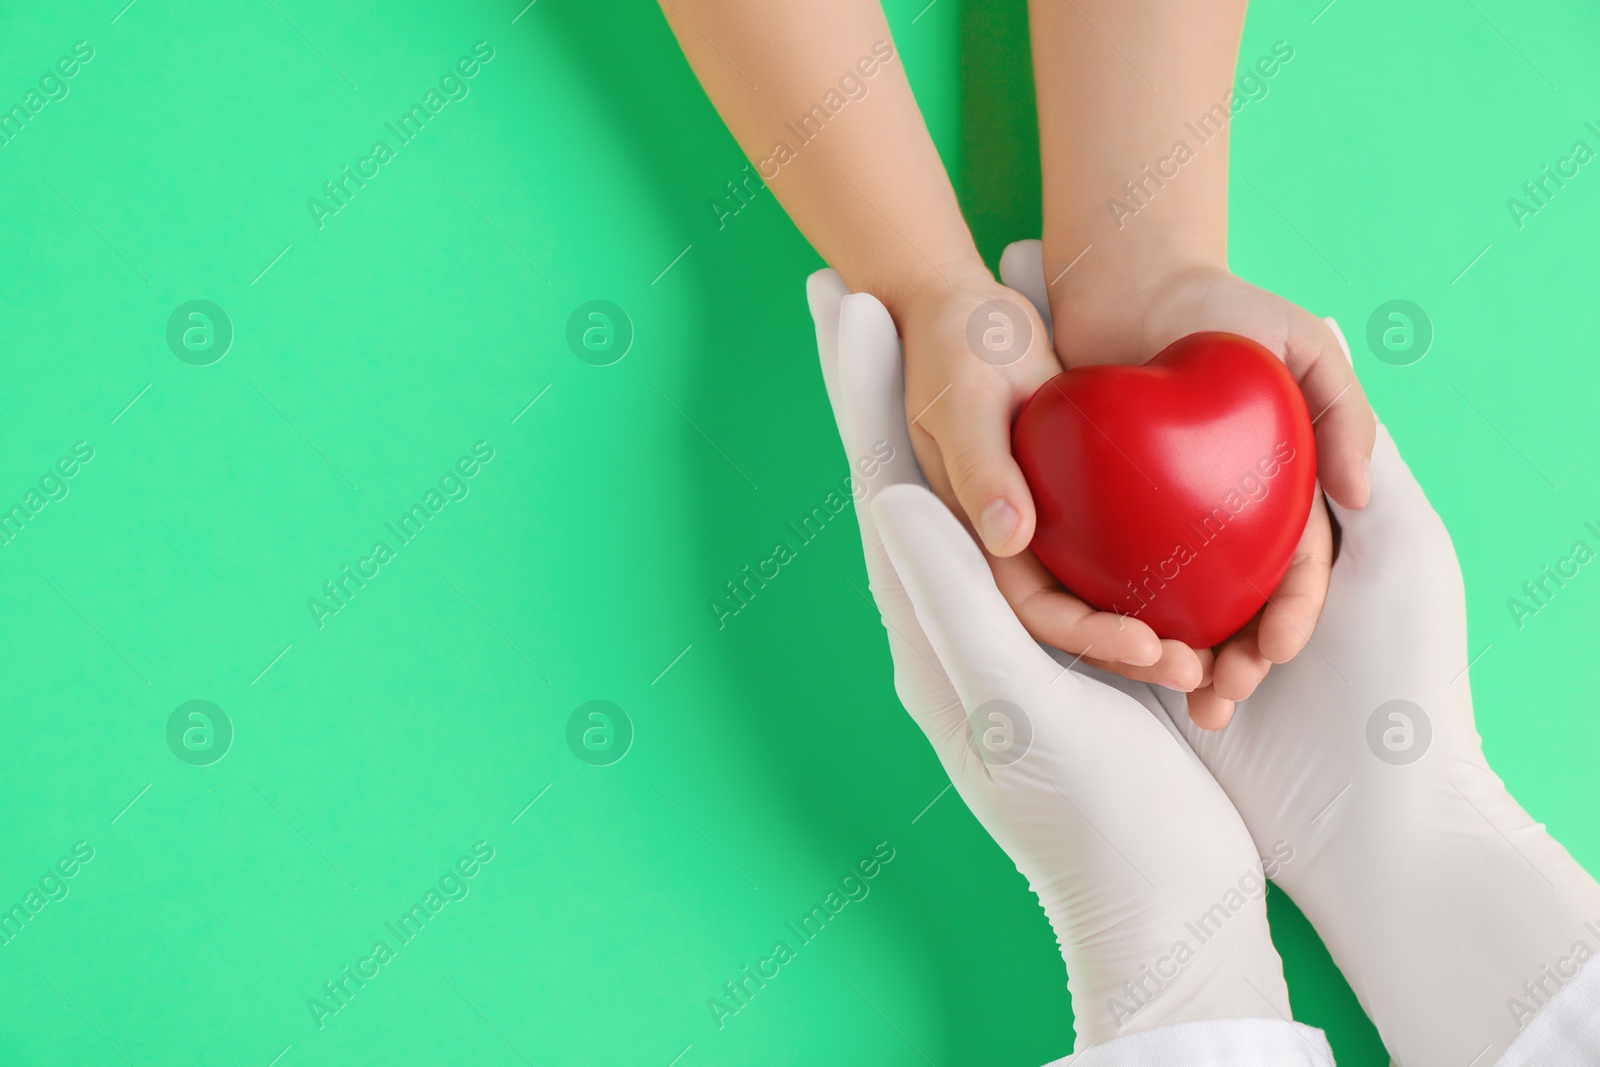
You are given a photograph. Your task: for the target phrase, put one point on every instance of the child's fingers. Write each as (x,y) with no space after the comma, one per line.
(971,423)
(1180,668)
(1294,607)
(1060,619)
(1398,510)
(1118,644)
(1240,664)
(1343,420)
(1209,711)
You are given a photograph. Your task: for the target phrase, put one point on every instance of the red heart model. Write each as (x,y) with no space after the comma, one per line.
(1174,492)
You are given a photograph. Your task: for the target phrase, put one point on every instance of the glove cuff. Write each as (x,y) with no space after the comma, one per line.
(1212,1043)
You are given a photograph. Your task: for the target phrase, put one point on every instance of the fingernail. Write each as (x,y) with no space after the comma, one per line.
(1139,661)
(1366,474)
(1168,683)
(996,522)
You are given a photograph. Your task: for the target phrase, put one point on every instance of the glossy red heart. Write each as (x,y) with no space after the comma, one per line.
(1174,492)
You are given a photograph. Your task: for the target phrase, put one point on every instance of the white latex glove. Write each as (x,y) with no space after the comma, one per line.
(1436,894)
(1126,840)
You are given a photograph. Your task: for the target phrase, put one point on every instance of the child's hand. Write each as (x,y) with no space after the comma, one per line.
(1129,314)
(975,351)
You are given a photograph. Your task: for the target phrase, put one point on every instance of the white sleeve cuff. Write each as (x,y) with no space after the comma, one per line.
(1566,1031)
(1213,1043)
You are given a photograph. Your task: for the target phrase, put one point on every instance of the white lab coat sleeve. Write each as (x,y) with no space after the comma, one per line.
(1216,1043)
(1566,1032)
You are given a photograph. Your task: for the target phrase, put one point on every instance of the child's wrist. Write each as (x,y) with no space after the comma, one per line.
(929,285)
(1119,279)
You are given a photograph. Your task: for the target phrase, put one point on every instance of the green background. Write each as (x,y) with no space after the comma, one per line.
(769,755)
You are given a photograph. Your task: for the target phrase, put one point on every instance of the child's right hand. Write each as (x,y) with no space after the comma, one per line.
(975,351)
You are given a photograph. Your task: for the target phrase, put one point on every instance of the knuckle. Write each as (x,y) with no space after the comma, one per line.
(974,469)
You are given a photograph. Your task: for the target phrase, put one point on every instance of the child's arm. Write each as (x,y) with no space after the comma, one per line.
(814,92)
(863,182)
(1135,104)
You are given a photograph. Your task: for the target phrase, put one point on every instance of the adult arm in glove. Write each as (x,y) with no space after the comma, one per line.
(1456,917)
(1462,926)
(1146,873)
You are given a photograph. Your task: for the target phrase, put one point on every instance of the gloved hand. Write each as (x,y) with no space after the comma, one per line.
(1453,915)
(1145,871)
(1437,895)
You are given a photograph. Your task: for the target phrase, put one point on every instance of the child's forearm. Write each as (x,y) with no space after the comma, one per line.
(814,92)
(1120,86)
